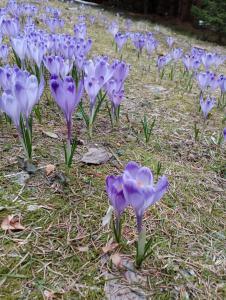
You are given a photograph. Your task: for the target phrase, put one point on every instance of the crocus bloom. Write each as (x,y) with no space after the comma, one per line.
(224,134)
(203,80)
(4,52)
(115,194)
(213,82)
(97,73)
(177,53)
(19,45)
(170,41)
(113,28)
(140,191)
(9,27)
(120,40)
(66,96)
(24,93)
(222,83)
(207,60)
(207,106)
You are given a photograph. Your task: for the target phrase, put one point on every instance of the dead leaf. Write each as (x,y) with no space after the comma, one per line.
(48,295)
(116,260)
(109,247)
(50,169)
(83,249)
(51,134)
(12,223)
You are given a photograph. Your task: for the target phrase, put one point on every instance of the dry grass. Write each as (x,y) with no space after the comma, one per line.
(188,224)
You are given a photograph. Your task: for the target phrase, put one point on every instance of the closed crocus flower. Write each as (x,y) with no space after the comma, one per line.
(22,91)
(213,82)
(27,91)
(224,134)
(222,83)
(114,188)
(120,40)
(207,60)
(140,191)
(52,64)
(10,27)
(19,45)
(67,96)
(170,41)
(207,105)
(4,52)
(11,107)
(97,73)
(177,53)
(113,28)
(203,80)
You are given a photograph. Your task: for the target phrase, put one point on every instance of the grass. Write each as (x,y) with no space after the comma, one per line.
(61,249)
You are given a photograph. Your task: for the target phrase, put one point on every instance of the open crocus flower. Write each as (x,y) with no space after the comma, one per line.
(207,105)
(140,191)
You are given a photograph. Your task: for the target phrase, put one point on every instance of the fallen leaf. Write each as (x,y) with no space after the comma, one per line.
(109,247)
(83,249)
(48,295)
(116,259)
(12,223)
(51,134)
(50,169)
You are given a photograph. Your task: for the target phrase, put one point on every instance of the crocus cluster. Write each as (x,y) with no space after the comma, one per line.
(21,92)
(135,188)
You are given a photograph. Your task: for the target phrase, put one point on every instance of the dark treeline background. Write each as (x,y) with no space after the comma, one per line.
(174,8)
(206,17)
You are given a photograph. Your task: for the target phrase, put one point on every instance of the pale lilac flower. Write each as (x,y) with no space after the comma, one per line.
(207,105)
(170,41)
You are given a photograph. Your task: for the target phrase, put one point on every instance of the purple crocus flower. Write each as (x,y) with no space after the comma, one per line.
(114,188)
(9,27)
(222,83)
(128,24)
(4,52)
(97,73)
(67,96)
(213,81)
(140,191)
(150,45)
(170,41)
(80,31)
(113,28)
(203,80)
(224,134)
(19,45)
(120,40)
(52,64)
(207,105)
(177,53)
(21,94)
(36,52)
(207,60)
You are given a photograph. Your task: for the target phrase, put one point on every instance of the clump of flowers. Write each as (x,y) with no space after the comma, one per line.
(135,187)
